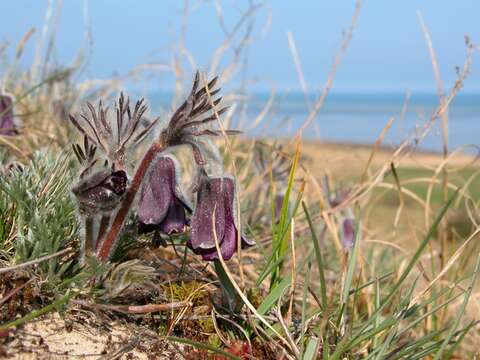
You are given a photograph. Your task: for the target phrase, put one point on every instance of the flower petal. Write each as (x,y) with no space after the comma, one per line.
(117,182)
(278,206)
(348,232)
(175,221)
(210,201)
(157,192)
(228,247)
(92,181)
(232,205)
(246,242)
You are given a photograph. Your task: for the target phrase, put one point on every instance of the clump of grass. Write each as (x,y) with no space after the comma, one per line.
(44,218)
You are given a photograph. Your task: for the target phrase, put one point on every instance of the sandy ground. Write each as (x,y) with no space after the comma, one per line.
(68,336)
(51,337)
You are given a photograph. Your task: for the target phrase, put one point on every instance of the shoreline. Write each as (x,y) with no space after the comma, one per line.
(422,156)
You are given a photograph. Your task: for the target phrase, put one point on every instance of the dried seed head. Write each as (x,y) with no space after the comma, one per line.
(114,140)
(193,119)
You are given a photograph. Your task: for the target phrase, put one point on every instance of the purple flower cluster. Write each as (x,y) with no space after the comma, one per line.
(163,208)
(105,193)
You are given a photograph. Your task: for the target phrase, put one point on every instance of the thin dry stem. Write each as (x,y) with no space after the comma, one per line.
(36,261)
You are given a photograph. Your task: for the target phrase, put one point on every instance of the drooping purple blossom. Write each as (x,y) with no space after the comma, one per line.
(101,191)
(348,232)
(215,217)
(346,216)
(162,206)
(7,124)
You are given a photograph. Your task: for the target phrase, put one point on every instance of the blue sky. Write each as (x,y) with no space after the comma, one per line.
(387,53)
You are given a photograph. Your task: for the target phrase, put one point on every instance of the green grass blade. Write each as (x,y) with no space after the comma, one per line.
(273,296)
(453,329)
(275,261)
(463,333)
(226,284)
(318,256)
(419,251)
(311,350)
(427,314)
(346,343)
(304,306)
(371,282)
(280,238)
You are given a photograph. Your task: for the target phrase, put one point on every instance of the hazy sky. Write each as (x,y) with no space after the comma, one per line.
(388,50)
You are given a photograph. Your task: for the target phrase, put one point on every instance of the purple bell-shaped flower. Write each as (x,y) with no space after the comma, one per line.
(7,124)
(348,232)
(101,191)
(162,206)
(215,215)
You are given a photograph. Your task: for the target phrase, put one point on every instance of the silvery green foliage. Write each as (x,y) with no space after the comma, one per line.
(45,215)
(7,212)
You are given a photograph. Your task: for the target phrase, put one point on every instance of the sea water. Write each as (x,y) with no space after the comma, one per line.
(360,118)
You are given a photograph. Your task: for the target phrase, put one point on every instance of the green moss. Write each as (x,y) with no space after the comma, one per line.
(214,340)
(206,325)
(185,290)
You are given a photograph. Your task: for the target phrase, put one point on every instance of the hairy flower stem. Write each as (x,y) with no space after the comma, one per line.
(88,246)
(105,248)
(102,229)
